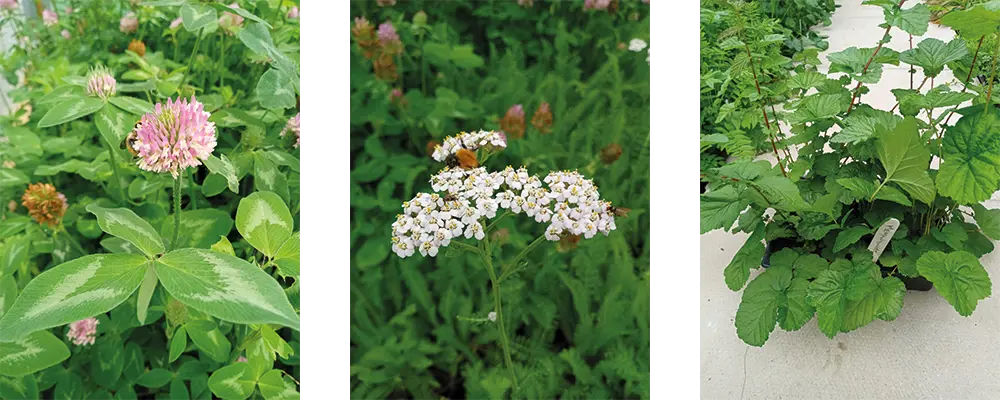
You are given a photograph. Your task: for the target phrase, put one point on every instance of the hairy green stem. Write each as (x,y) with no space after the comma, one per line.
(114,167)
(514,266)
(497,305)
(177,212)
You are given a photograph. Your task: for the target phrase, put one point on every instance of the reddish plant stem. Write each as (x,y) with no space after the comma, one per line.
(968,77)
(918,89)
(763,108)
(857,89)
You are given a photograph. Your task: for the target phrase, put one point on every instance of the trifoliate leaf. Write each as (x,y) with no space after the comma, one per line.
(970,158)
(748,257)
(958,277)
(906,160)
(932,54)
(720,208)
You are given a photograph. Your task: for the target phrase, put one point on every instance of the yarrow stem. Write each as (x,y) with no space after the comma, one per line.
(514,265)
(497,304)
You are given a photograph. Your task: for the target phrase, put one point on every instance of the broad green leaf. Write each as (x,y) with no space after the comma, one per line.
(155,378)
(912,20)
(199,228)
(952,234)
(780,193)
(225,287)
(197,16)
(275,343)
(140,187)
(275,90)
(464,57)
(117,245)
(12,177)
(135,362)
(114,125)
(72,291)
(744,170)
(241,12)
(748,257)
(70,110)
(222,166)
(260,358)
(284,159)
(258,39)
(34,353)
(287,257)
(958,277)
(8,292)
(145,294)
(274,386)
(224,246)
(178,343)
(720,208)
(758,312)
(795,311)
(853,60)
(21,387)
(70,166)
(132,105)
(860,127)
(943,96)
(179,390)
(123,223)
(16,251)
(108,362)
(207,337)
(987,219)
(906,160)
(973,22)
(970,166)
(817,107)
(373,252)
(61,94)
(890,193)
(806,80)
(858,188)
(837,291)
(268,178)
(850,236)
(232,382)
(264,221)
(933,54)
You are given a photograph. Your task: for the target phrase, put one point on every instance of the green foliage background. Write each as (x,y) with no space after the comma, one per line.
(579,318)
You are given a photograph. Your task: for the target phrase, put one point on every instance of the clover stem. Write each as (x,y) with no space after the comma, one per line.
(114,167)
(194,52)
(177,211)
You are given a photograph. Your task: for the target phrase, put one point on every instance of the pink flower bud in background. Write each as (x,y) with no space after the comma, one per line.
(513,122)
(49,17)
(69,10)
(241,359)
(387,33)
(293,13)
(100,83)
(292,126)
(596,4)
(175,23)
(83,332)
(129,23)
(229,21)
(176,135)
(65,34)
(525,3)
(385,3)
(8,4)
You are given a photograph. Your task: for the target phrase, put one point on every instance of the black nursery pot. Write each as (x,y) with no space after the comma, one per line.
(919,283)
(703,186)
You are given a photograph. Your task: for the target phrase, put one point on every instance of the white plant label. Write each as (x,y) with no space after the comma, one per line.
(882,237)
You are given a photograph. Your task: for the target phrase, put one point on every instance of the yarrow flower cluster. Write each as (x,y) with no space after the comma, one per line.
(49,17)
(100,83)
(292,126)
(174,136)
(570,204)
(129,23)
(472,141)
(83,332)
(45,205)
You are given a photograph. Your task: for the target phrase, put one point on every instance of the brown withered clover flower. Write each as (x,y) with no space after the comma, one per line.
(44,204)
(542,120)
(611,153)
(364,36)
(512,123)
(137,47)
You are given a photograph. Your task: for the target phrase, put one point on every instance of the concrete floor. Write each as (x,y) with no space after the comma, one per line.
(929,352)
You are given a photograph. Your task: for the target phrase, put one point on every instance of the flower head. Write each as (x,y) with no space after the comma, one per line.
(229,21)
(65,34)
(176,23)
(293,13)
(525,3)
(241,359)
(12,205)
(101,83)
(176,135)
(513,121)
(491,140)
(83,332)
(137,47)
(364,35)
(45,205)
(596,4)
(49,17)
(542,120)
(387,34)
(292,126)
(129,23)
(386,3)
(8,4)
(637,45)
(611,153)
(492,316)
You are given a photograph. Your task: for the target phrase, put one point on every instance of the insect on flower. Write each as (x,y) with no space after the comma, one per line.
(619,211)
(129,143)
(464,158)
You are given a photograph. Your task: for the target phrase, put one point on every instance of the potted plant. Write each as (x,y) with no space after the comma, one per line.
(862,212)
